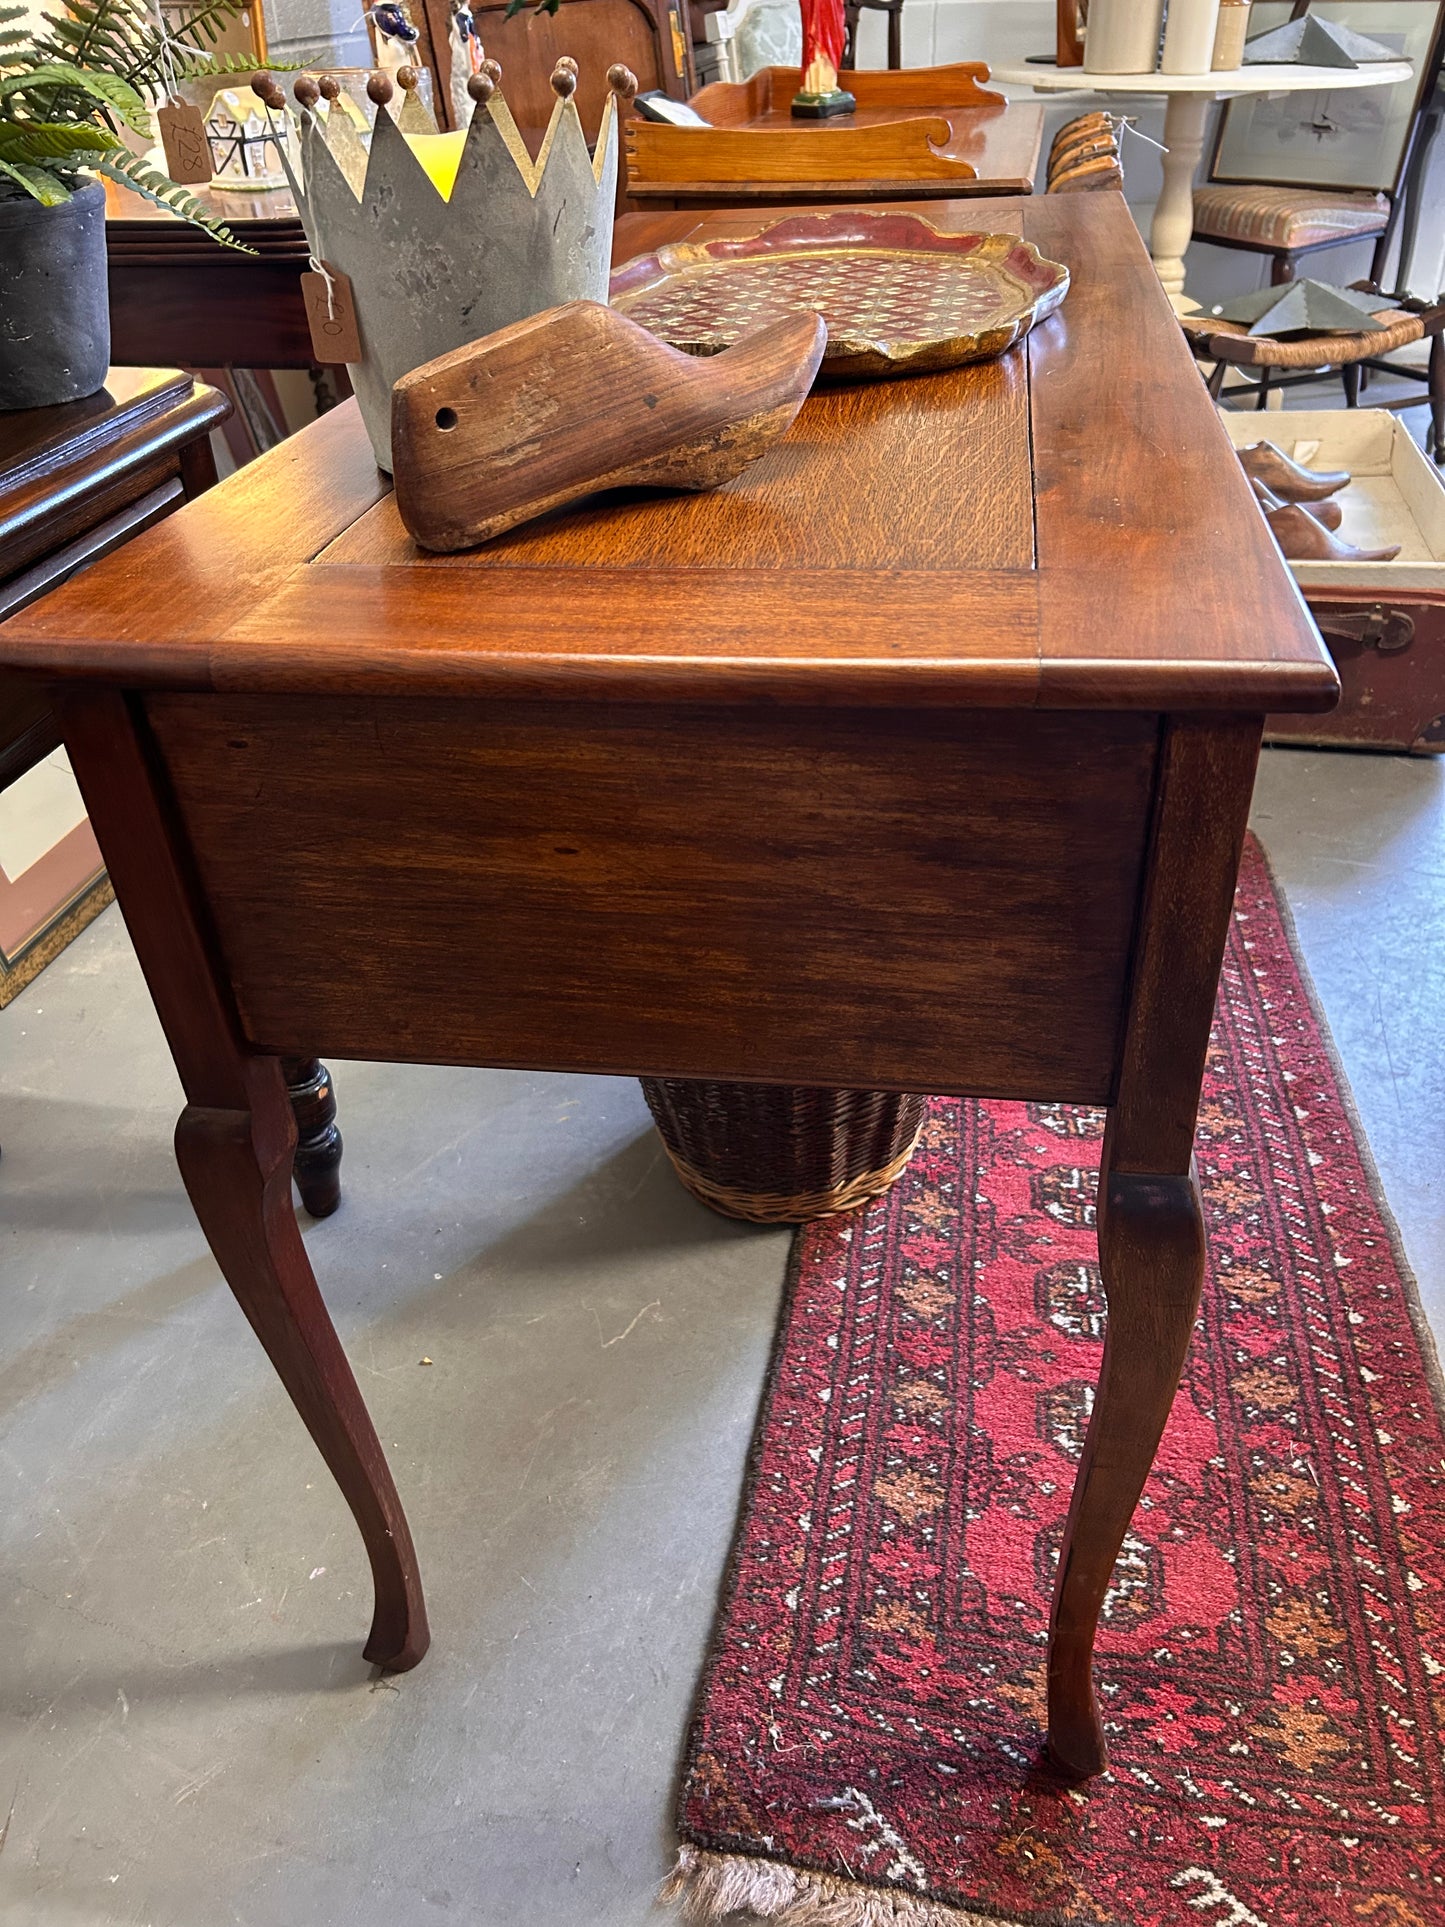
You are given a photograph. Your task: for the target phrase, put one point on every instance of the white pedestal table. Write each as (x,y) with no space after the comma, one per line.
(1185,117)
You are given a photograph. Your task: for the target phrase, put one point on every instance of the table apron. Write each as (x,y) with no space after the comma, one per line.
(943,901)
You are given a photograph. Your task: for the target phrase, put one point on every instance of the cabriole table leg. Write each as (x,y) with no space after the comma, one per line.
(1151,1255)
(237,1169)
(235,1144)
(1151,1228)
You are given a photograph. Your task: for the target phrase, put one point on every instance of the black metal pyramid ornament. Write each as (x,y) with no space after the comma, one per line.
(1312,42)
(1304,307)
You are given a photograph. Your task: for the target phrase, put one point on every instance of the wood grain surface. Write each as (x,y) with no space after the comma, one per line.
(1126,427)
(608,888)
(938,512)
(891,153)
(980,151)
(64,470)
(890,532)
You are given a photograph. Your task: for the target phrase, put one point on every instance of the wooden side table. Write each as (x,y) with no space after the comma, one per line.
(918,758)
(76,483)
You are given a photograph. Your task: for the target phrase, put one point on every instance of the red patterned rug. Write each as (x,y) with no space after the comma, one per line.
(1272,1660)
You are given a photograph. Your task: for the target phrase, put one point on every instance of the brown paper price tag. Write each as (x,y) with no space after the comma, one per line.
(332,316)
(183,135)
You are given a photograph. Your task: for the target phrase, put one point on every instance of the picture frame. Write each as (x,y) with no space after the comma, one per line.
(1347,139)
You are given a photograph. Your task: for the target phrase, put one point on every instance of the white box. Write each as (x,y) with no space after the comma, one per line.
(1395,493)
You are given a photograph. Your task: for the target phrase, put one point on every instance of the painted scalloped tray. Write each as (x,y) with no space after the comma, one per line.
(899,295)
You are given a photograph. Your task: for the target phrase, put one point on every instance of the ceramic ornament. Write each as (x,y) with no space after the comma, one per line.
(1304,307)
(431,271)
(1312,42)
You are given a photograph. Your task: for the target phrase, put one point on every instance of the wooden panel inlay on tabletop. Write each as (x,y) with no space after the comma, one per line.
(954,446)
(611,888)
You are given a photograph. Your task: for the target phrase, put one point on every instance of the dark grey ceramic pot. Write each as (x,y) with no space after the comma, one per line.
(54,308)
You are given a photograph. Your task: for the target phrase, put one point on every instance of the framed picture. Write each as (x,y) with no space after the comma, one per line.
(1346,138)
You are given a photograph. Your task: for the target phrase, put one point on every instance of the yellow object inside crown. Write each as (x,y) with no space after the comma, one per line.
(440,156)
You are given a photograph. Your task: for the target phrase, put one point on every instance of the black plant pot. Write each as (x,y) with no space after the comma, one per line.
(54,306)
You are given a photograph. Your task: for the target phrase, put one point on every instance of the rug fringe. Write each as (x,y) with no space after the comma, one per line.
(710,1887)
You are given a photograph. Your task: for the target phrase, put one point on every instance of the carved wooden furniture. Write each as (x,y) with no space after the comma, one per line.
(652,37)
(917,759)
(923,132)
(1189,97)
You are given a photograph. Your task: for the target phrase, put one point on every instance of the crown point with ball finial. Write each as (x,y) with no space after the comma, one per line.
(306,91)
(329,87)
(408,79)
(378,89)
(493,70)
(622,81)
(267,90)
(564,81)
(481,87)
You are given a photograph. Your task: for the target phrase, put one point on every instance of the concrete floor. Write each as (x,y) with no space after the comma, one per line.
(186,1726)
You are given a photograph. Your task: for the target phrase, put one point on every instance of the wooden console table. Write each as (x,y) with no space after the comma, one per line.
(918,758)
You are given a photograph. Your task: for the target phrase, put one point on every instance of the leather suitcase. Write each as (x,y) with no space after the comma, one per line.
(1383,622)
(1390,652)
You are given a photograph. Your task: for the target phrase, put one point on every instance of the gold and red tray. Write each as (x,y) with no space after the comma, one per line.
(898,294)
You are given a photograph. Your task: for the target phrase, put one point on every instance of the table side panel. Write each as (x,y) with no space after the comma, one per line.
(916,900)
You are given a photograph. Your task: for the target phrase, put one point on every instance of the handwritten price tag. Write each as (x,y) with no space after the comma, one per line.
(183,136)
(331,314)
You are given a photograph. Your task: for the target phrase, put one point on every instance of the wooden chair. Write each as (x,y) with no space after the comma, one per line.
(736,159)
(1287,223)
(649,36)
(851,11)
(1290,220)
(1084,156)
(1228,344)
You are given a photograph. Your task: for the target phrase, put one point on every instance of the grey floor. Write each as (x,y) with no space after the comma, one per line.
(187,1730)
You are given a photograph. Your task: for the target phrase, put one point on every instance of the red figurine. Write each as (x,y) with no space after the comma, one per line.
(823,35)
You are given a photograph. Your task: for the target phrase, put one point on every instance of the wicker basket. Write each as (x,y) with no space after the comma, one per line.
(783,1153)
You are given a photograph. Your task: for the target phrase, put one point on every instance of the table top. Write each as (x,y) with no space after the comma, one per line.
(1263,79)
(1066,526)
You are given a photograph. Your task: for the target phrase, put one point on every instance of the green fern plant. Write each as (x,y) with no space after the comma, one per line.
(67,92)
